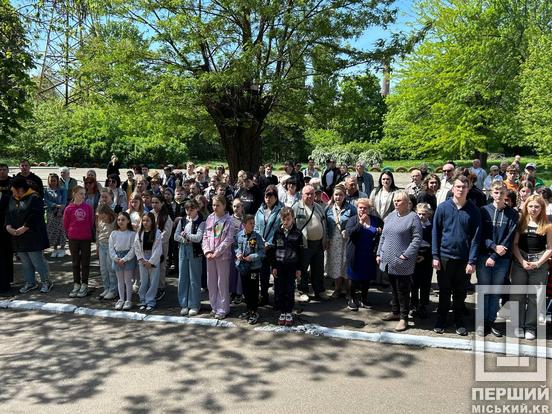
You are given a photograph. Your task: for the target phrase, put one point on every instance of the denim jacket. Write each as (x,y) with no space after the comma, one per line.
(267,229)
(347,211)
(252,246)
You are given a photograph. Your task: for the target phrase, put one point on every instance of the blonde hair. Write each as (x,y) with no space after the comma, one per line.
(543,226)
(365,202)
(424,207)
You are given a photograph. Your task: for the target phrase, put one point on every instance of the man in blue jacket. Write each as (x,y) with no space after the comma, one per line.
(456,232)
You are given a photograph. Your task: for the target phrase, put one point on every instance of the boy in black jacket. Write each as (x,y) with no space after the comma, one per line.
(288,242)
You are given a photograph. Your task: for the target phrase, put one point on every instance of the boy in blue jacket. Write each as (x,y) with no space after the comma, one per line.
(249,258)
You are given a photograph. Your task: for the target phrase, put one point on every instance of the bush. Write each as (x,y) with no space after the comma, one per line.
(372,157)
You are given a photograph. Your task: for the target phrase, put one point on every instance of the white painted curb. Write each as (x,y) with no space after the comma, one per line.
(307,329)
(106,313)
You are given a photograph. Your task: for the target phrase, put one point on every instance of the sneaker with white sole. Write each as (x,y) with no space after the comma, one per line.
(519,333)
(83,291)
(184,311)
(119,304)
(304,298)
(135,287)
(193,312)
(127,305)
(282,319)
(46,286)
(289,319)
(27,287)
(530,334)
(75,291)
(253,318)
(110,295)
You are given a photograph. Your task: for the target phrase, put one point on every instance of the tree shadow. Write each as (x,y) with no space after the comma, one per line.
(74,357)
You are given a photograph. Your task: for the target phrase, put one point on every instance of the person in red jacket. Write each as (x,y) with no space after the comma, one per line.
(78,221)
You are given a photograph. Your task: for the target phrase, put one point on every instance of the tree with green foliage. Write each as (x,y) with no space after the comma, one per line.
(535,112)
(458,92)
(15,63)
(240,55)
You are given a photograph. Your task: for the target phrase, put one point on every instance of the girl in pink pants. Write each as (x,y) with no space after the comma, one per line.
(217,247)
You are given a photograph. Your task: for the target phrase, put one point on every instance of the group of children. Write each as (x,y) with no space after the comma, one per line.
(133,245)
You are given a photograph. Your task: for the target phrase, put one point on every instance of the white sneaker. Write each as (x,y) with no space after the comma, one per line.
(110,295)
(193,312)
(61,253)
(519,332)
(75,291)
(530,334)
(135,288)
(83,291)
(119,304)
(127,305)
(304,298)
(184,311)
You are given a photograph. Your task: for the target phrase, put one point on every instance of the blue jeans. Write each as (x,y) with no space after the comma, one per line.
(34,262)
(149,282)
(494,276)
(190,269)
(109,279)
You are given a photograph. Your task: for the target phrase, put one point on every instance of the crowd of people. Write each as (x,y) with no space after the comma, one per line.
(233,239)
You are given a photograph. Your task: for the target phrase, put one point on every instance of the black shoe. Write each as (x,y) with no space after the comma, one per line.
(160,294)
(263,300)
(351,305)
(364,304)
(439,327)
(253,318)
(461,330)
(421,312)
(496,332)
(237,299)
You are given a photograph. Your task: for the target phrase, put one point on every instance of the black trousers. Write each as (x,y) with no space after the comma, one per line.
(250,285)
(80,255)
(421,281)
(265,277)
(400,287)
(452,280)
(6,260)
(313,255)
(284,287)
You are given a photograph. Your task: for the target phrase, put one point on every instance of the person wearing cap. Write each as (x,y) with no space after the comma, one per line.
(267,221)
(66,180)
(365,180)
(311,170)
(311,222)
(249,195)
(479,172)
(329,177)
(491,178)
(530,174)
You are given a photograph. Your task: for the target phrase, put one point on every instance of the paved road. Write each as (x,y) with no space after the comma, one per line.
(69,364)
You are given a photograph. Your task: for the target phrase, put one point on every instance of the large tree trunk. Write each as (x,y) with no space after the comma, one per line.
(242,146)
(239,114)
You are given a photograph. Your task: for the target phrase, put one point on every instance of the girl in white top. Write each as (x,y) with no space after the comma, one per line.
(148,250)
(121,250)
(165,225)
